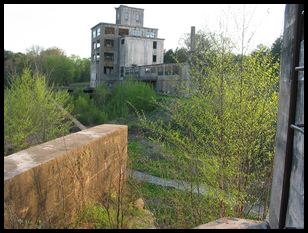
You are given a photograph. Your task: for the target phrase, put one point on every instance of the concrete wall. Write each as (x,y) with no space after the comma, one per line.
(131,13)
(295,210)
(139,51)
(49,182)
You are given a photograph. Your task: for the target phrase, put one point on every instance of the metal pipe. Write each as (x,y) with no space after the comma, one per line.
(298,128)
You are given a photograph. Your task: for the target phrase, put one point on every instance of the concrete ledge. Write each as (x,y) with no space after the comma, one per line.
(234,223)
(48,182)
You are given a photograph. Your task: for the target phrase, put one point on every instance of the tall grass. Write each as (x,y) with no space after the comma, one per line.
(87,111)
(128,95)
(106,104)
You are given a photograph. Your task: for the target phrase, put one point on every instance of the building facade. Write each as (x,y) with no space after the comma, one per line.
(123,44)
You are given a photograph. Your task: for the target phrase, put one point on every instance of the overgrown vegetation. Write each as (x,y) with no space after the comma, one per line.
(223,133)
(33,113)
(87,112)
(116,210)
(58,68)
(122,100)
(128,95)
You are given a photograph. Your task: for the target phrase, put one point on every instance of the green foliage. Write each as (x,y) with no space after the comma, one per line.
(60,69)
(101,96)
(144,158)
(180,55)
(87,111)
(172,209)
(115,210)
(97,216)
(276,49)
(223,132)
(169,57)
(32,112)
(14,63)
(82,69)
(129,95)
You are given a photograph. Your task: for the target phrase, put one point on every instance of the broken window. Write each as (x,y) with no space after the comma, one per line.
(154,44)
(123,31)
(154,58)
(108,56)
(108,69)
(122,41)
(109,43)
(109,30)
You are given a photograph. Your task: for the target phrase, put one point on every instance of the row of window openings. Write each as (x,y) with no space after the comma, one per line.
(110,30)
(107,57)
(124,32)
(148,34)
(110,57)
(108,44)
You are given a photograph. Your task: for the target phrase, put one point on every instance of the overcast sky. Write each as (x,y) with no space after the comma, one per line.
(68,26)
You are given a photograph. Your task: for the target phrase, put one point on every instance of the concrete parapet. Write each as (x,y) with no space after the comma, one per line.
(234,223)
(50,181)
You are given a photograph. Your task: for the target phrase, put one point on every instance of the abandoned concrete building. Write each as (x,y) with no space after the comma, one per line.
(126,43)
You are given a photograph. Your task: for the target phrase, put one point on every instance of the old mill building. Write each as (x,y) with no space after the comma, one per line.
(127,43)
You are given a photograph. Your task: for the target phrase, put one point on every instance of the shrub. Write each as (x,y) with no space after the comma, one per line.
(131,94)
(87,112)
(32,112)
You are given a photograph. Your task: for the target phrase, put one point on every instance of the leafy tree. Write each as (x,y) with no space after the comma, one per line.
(276,49)
(33,113)
(169,57)
(221,135)
(14,63)
(60,69)
(181,55)
(82,69)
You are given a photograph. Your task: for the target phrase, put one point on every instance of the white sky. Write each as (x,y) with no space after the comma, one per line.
(67,26)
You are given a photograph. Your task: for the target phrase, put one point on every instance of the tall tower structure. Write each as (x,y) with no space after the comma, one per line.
(123,44)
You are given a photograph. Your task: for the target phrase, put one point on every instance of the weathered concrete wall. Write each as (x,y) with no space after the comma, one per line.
(48,182)
(295,211)
(287,191)
(169,85)
(139,51)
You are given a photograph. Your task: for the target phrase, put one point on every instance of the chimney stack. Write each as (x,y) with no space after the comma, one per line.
(192,38)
